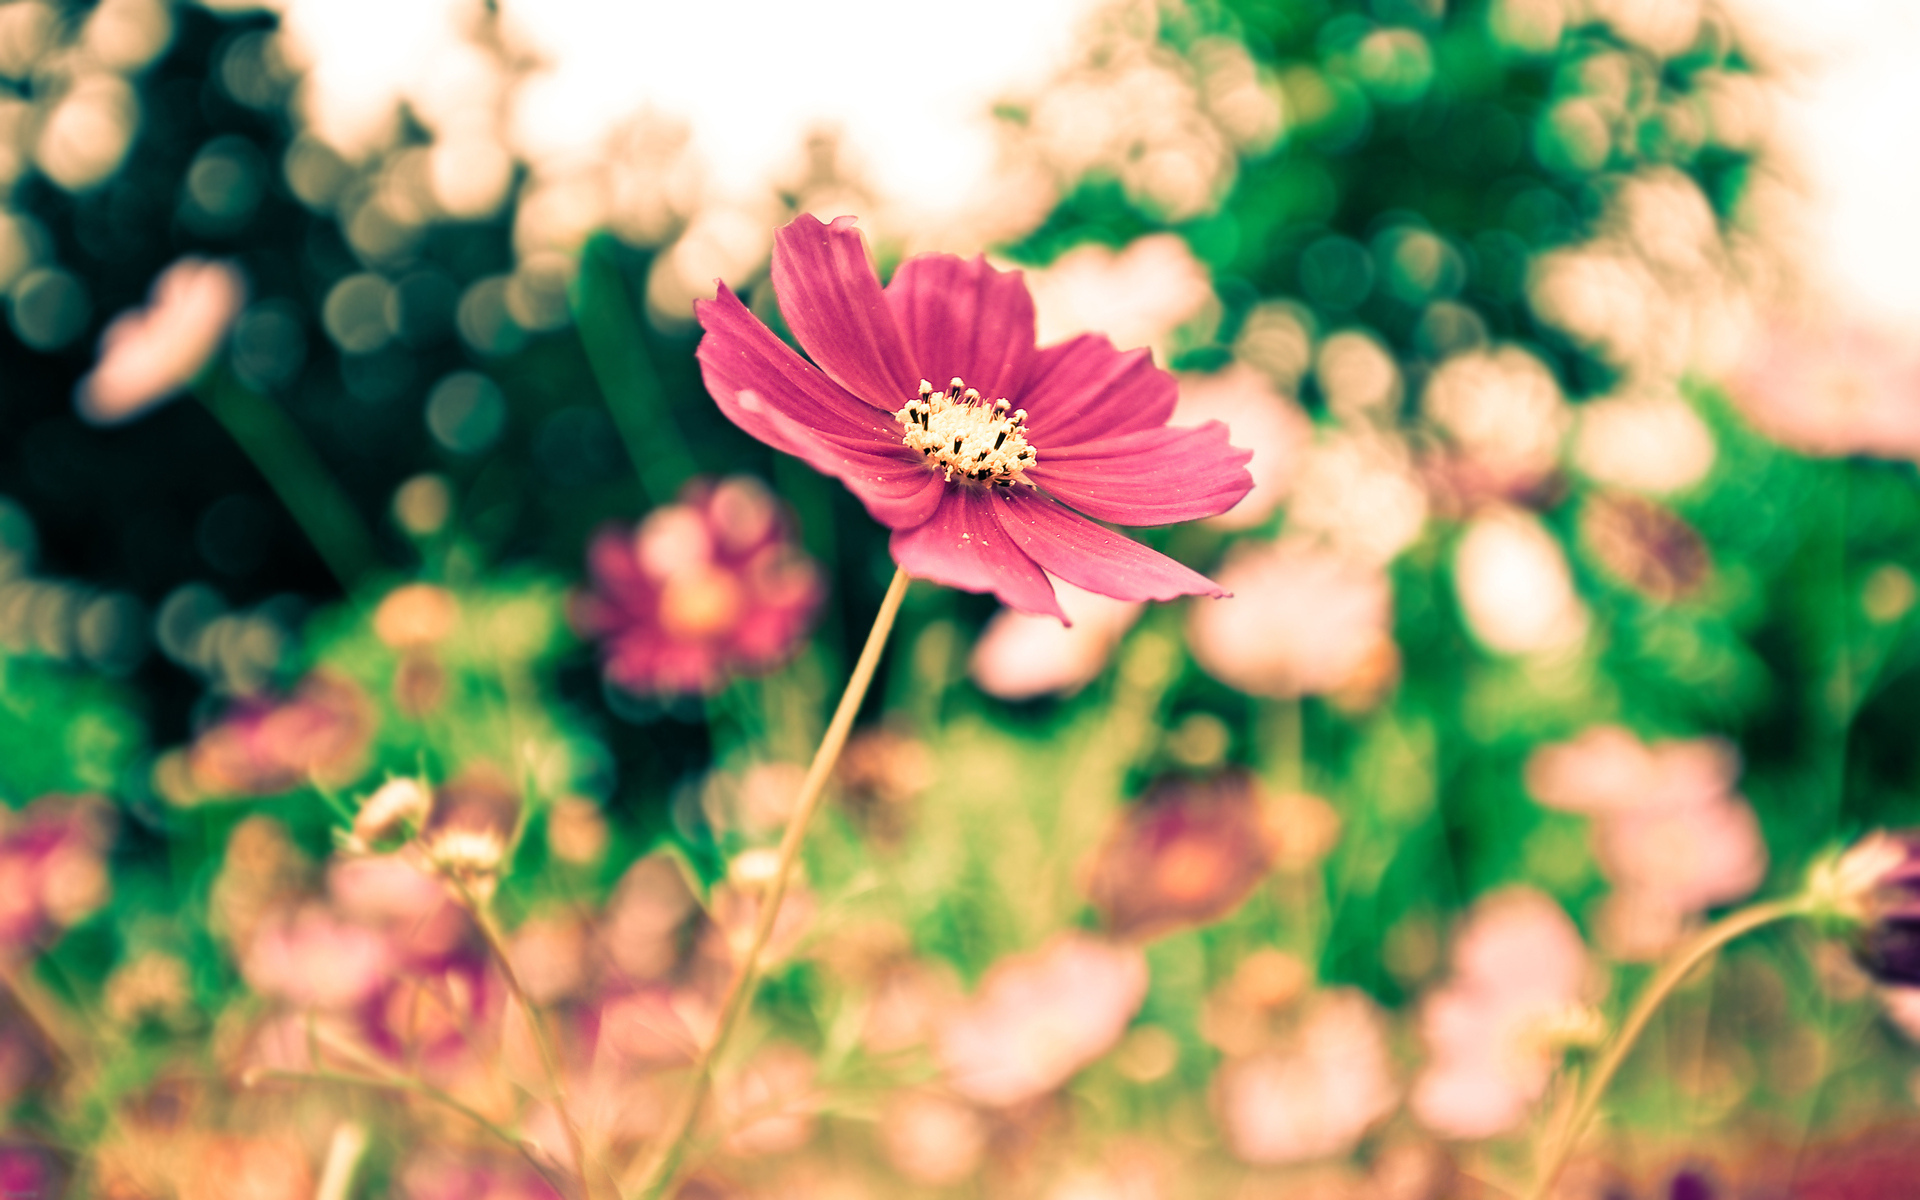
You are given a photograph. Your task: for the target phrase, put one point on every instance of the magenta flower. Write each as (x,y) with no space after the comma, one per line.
(704,588)
(930,401)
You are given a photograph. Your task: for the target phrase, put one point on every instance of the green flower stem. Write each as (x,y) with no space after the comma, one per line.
(1677,968)
(610,334)
(282,454)
(656,1173)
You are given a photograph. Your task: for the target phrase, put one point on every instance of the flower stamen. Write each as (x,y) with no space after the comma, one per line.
(959,432)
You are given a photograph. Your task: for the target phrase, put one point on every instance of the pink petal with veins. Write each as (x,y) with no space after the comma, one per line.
(963,318)
(1090,556)
(832,301)
(963,546)
(1149,477)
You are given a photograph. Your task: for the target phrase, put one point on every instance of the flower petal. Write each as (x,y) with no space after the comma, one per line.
(1148,477)
(963,546)
(896,486)
(1084,389)
(740,354)
(832,300)
(1068,545)
(777,396)
(963,318)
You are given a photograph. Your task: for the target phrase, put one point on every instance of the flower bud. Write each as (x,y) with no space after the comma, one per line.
(400,805)
(1875,883)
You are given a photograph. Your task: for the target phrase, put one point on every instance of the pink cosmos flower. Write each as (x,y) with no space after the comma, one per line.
(1317,1097)
(1039,1018)
(705,587)
(1520,978)
(263,747)
(51,873)
(1671,832)
(1188,853)
(975,478)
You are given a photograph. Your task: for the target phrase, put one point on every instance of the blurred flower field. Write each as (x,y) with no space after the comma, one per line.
(459,738)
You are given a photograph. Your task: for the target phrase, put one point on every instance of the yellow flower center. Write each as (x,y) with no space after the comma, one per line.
(964,435)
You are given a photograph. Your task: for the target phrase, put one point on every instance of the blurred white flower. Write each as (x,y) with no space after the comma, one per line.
(1302,620)
(1317,1098)
(1648,443)
(148,354)
(1514,586)
(1502,412)
(1358,377)
(1358,491)
(1020,655)
(1039,1018)
(1262,420)
(1137,296)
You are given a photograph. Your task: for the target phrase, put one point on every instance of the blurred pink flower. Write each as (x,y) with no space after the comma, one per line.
(643,929)
(767,1108)
(52,869)
(1833,391)
(704,588)
(263,747)
(1271,425)
(1520,973)
(1671,833)
(1645,544)
(440,1174)
(399,896)
(957,473)
(439,1016)
(148,354)
(931,1138)
(1020,655)
(1303,620)
(1038,1018)
(1318,1097)
(1186,853)
(313,959)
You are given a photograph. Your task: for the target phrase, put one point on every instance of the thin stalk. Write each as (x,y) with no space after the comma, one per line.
(1677,968)
(542,1040)
(656,1173)
(401,1085)
(41,1014)
(281,453)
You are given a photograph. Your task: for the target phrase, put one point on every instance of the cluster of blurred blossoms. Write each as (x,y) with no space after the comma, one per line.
(1096,942)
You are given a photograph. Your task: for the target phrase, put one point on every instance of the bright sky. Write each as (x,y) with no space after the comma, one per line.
(909,86)
(1852,118)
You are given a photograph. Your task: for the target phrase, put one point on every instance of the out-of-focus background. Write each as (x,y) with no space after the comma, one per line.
(351,434)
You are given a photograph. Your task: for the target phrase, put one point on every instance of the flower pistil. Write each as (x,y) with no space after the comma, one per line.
(959,431)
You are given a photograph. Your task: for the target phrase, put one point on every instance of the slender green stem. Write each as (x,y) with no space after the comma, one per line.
(656,1172)
(1669,977)
(283,456)
(610,334)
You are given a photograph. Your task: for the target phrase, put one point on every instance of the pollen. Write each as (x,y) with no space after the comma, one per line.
(966,436)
